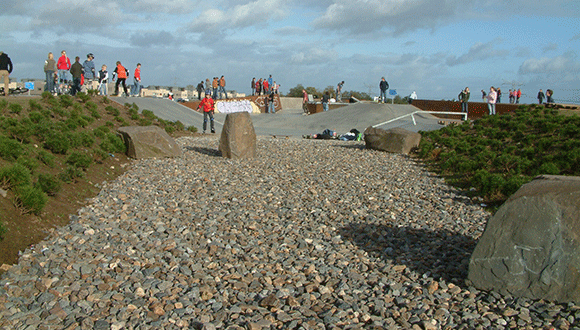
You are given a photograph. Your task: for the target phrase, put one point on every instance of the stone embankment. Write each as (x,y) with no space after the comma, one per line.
(308,235)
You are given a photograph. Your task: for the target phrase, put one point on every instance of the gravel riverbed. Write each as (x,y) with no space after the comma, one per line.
(311,234)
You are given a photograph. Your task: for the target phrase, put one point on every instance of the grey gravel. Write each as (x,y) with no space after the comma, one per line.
(310,234)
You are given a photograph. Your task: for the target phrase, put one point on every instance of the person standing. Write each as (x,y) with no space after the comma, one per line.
(103,80)
(207,86)
(498,95)
(223,87)
(491,99)
(325,100)
(5,71)
(253,83)
(483,95)
(266,86)
(339,91)
(89,71)
(304,101)
(76,70)
(464,99)
(259,87)
(199,89)
(511,96)
(383,86)
(214,86)
(518,95)
(541,97)
(549,96)
(120,73)
(49,71)
(207,104)
(63,66)
(412,97)
(136,88)
(271,103)
(270,82)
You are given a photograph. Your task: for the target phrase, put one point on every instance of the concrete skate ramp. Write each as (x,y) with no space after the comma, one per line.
(292,122)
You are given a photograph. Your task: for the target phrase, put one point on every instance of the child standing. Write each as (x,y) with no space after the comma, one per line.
(103,79)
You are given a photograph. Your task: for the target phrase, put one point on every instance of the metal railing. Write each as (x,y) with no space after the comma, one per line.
(412,114)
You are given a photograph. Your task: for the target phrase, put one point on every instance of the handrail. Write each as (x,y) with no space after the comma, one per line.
(464,114)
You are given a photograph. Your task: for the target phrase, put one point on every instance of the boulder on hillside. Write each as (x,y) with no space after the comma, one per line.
(531,246)
(238,138)
(149,142)
(396,140)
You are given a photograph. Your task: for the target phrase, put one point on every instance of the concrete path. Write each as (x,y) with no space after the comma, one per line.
(292,122)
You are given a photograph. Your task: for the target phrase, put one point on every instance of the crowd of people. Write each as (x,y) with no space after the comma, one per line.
(264,86)
(85,77)
(494,97)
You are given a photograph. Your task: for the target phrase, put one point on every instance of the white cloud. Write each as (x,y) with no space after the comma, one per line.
(478,52)
(565,63)
(393,16)
(254,13)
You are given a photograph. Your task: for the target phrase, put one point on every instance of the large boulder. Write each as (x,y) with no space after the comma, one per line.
(149,142)
(396,140)
(531,246)
(238,139)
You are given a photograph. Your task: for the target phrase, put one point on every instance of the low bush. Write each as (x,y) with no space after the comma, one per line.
(10,149)
(58,143)
(71,174)
(31,198)
(14,176)
(48,183)
(66,100)
(79,159)
(46,158)
(15,108)
(113,143)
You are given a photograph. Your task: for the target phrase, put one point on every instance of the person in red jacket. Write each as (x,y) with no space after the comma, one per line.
(208,107)
(63,65)
(136,88)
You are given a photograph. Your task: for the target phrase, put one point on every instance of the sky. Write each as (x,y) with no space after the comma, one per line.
(436,48)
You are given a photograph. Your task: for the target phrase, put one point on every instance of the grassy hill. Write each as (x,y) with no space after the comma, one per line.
(493,156)
(55,152)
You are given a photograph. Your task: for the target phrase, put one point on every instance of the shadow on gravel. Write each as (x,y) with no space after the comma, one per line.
(440,254)
(205,151)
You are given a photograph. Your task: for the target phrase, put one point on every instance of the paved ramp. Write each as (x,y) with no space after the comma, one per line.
(292,122)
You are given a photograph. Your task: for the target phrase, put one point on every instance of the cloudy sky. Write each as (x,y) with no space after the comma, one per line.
(433,47)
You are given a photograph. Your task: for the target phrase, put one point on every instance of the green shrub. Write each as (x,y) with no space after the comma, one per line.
(46,157)
(145,122)
(34,106)
(79,159)
(113,143)
(15,108)
(148,114)
(3,104)
(58,143)
(10,149)
(87,138)
(71,174)
(66,100)
(101,131)
(14,176)
(105,100)
(47,96)
(100,155)
(83,97)
(36,117)
(549,168)
(192,129)
(112,110)
(28,162)
(59,111)
(48,183)
(31,198)
(169,129)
